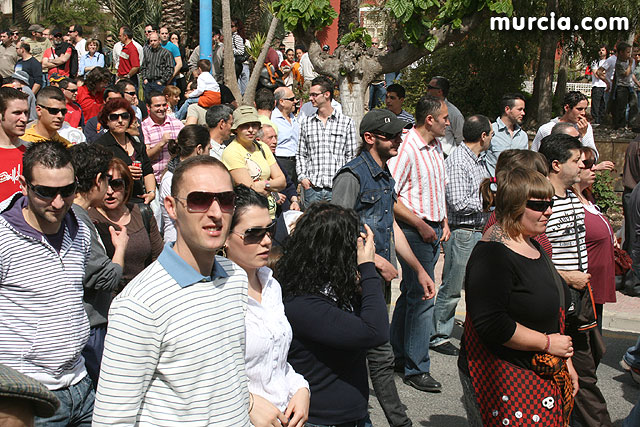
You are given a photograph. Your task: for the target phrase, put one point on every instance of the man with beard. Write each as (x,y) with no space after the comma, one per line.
(57,59)
(507,133)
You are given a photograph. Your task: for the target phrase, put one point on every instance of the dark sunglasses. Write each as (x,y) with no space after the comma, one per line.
(588,163)
(254,235)
(54,111)
(72,90)
(539,205)
(48,193)
(293,98)
(131,93)
(115,116)
(201,201)
(433,87)
(387,136)
(15,33)
(117,184)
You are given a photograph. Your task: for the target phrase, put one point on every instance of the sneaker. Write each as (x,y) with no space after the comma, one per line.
(423,382)
(625,366)
(447,348)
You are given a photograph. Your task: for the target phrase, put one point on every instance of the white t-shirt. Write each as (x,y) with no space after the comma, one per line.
(595,81)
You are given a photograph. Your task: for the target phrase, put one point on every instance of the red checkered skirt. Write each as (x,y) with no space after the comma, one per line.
(508,395)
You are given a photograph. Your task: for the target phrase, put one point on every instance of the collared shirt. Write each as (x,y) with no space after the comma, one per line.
(216,149)
(88,60)
(465,171)
(157,65)
(324,148)
(502,140)
(8,59)
(153,135)
(544,130)
(419,172)
(174,351)
(453,132)
(406,116)
(288,134)
(269,336)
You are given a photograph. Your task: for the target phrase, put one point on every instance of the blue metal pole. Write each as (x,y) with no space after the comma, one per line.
(206,28)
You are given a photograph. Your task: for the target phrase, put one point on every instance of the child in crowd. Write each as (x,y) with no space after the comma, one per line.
(172,95)
(207,92)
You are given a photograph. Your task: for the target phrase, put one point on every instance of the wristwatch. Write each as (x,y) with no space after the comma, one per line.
(267,184)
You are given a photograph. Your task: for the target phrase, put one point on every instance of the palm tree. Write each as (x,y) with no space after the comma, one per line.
(176,15)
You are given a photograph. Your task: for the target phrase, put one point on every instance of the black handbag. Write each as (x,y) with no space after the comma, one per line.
(581,313)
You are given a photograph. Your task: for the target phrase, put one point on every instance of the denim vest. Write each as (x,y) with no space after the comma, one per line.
(375,201)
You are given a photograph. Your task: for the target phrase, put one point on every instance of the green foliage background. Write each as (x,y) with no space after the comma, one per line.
(480,69)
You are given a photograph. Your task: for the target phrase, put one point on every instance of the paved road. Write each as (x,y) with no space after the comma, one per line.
(445,409)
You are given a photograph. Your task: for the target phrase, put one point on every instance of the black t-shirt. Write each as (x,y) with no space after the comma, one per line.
(504,287)
(33,68)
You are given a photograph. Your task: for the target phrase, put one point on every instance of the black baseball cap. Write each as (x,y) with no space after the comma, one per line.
(382,121)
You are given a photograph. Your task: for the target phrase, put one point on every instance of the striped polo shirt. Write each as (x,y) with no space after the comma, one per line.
(174,351)
(566,232)
(419,172)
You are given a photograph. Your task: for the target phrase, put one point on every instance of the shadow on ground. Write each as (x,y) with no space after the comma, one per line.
(445,420)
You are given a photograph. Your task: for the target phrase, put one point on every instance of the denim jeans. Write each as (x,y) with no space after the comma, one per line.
(92,353)
(316,194)
(412,321)
(456,254)
(151,86)
(632,356)
(359,423)
(633,419)
(182,112)
(597,104)
(380,362)
(377,92)
(76,406)
(243,79)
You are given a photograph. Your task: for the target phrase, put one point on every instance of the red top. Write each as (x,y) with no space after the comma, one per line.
(91,104)
(74,114)
(61,70)
(10,170)
(129,59)
(541,238)
(599,239)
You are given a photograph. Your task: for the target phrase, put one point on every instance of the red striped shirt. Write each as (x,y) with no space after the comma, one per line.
(419,172)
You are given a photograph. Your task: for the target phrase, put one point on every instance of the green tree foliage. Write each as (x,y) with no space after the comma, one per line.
(56,13)
(306,15)
(356,34)
(481,68)
(603,191)
(135,14)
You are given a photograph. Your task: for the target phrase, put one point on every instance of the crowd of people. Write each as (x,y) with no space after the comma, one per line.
(188,260)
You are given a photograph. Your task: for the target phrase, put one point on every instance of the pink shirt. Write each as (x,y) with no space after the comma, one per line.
(153,135)
(418,170)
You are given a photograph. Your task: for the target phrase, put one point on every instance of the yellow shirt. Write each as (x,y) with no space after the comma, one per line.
(31,135)
(235,156)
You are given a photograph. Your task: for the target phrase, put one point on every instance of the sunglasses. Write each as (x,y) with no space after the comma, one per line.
(48,193)
(54,111)
(117,184)
(115,116)
(387,136)
(433,87)
(131,93)
(293,98)
(539,205)
(201,201)
(588,163)
(255,235)
(72,90)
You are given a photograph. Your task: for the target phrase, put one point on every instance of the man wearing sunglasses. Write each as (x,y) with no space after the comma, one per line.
(74,115)
(366,185)
(567,234)
(176,332)
(51,109)
(288,130)
(44,250)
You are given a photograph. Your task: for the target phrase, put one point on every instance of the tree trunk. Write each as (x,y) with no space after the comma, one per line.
(250,92)
(543,82)
(230,78)
(349,13)
(352,93)
(561,85)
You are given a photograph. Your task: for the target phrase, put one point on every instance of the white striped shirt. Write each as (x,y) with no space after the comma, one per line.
(419,172)
(43,324)
(174,351)
(567,219)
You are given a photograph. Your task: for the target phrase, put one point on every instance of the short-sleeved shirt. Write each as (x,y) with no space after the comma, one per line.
(62,70)
(38,47)
(258,163)
(503,140)
(10,170)
(175,50)
(129,58)
(33,68)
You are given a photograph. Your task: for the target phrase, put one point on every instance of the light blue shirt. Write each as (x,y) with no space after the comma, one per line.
(502,140)
(288,134)
(183,273)
(86,60)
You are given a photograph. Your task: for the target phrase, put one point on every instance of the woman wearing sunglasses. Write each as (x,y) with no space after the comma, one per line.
(600,238)
(514,361)
(117,116)
(251,162)
(145,242)
(193,140)
(268,333)
(333,300)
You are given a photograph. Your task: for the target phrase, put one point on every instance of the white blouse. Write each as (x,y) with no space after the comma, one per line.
(268,336)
